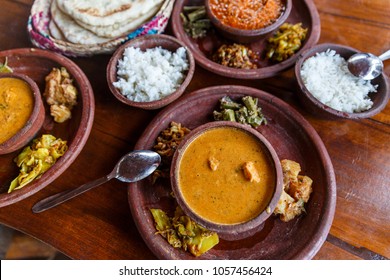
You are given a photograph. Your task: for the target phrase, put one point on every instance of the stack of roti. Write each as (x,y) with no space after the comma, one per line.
(98,21)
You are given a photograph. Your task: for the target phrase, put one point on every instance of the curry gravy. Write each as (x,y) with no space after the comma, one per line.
(16,106)
(217,189)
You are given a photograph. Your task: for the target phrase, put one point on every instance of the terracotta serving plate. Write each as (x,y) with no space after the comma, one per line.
(37,64)
(292,137)
(302,11)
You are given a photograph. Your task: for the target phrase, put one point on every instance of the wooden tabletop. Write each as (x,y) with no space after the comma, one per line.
(99,225)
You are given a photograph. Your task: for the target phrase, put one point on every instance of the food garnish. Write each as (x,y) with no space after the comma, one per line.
(247,112)
(60,94)
(195,21)
(166,145)
(235,56)
(182,232)
(286,41)
(4,68)
(296,191)
(36,159)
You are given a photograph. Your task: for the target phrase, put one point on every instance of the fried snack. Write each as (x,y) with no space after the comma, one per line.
(181,232)
(166,145)
(296,191)
(235,56)
(286,41)
(60,94)
(36,159)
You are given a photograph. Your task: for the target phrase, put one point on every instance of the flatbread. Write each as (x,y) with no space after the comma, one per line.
(119,29)
(73,32)
(106,12)
(55,32)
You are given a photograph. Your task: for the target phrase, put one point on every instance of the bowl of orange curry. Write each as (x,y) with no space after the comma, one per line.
(247,21)
(21,111)
(227,177)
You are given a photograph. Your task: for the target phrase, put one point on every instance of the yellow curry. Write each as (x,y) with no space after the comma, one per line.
(226,176)
(16,106)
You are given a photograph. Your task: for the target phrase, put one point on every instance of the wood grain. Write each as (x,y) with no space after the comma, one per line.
(99,225)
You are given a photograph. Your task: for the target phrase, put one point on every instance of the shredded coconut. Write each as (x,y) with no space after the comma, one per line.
(152,74)
(327,77)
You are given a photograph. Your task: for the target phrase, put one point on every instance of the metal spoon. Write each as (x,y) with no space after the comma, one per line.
(366,65)
(132,167)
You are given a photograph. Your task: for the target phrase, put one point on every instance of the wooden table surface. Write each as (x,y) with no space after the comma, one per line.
(98,224)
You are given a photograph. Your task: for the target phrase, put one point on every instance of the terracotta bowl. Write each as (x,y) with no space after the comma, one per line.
(314,106)
(147,42)
(236,230)
(33,124)
(247,35)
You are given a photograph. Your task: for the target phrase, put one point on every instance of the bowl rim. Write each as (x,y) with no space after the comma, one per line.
(238,230)
(156,104)
(37,116)
(250,32)
(328,111)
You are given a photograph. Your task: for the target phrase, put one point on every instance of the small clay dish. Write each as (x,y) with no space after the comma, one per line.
(247,35)
(167,42)
(33,123)
(317,108)
(211,185)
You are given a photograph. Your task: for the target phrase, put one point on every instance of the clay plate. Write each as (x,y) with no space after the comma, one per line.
(302,11)
(317,108)
(36,64)
(292,137)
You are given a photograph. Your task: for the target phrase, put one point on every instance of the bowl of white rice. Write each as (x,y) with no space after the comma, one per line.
(327,88)
(151,71)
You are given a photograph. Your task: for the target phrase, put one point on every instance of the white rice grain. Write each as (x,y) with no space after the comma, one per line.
(150,75)
(328,79)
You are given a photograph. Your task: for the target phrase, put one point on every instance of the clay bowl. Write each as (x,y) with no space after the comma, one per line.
(226,230)
(33,124)
(147,42)
(37,64)
(317,108)
(247,35)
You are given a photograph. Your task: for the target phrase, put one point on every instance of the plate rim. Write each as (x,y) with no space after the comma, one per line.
(82,132)
(318,237)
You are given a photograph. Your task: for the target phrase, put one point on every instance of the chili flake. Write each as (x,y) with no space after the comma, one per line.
(247,14)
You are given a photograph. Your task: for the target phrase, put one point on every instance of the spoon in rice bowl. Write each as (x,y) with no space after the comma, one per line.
(132,167)
(366,65)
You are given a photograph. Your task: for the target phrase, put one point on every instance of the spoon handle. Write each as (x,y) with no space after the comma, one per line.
(54,200)
(385,55)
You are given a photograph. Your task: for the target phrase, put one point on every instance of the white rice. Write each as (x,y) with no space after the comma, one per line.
(152,74)
(327,77)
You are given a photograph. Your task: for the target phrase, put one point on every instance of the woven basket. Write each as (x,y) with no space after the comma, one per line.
(38,29)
